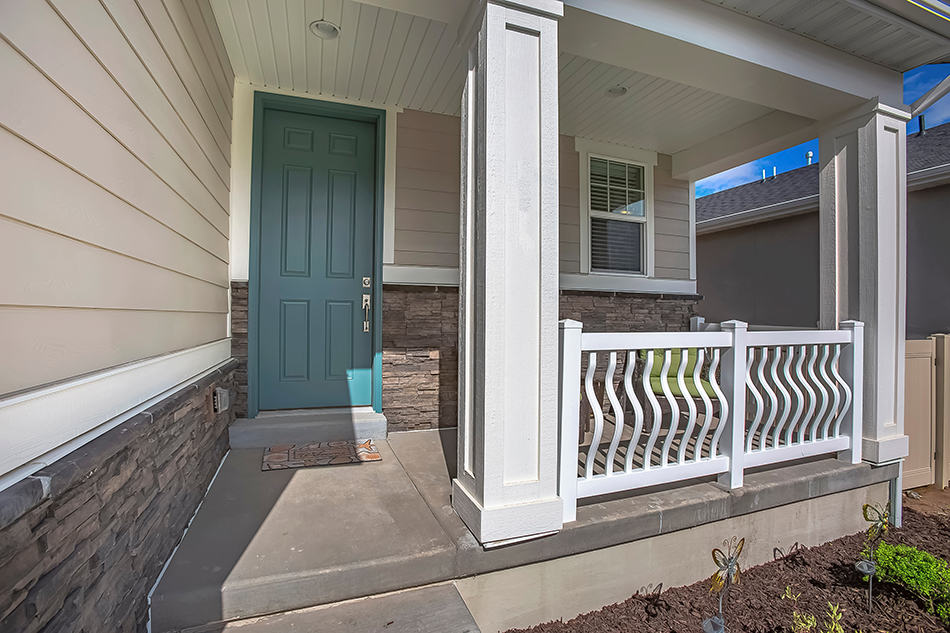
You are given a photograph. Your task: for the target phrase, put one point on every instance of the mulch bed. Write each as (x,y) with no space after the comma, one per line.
(821,574)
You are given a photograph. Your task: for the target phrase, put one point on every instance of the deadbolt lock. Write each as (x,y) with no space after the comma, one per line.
(366,282)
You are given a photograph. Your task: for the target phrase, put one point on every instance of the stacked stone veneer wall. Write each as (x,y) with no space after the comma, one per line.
(420,341)
(239,343)
(83,540)
(420,356)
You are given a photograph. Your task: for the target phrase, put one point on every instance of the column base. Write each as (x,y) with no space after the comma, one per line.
(885,449)
(504,525)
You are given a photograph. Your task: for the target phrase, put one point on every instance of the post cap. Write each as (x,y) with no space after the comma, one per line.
(570,324)
(734,324)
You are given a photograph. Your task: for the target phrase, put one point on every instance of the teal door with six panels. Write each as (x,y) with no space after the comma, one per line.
(316,261)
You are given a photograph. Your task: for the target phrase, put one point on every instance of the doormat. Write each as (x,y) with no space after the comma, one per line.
(285,456)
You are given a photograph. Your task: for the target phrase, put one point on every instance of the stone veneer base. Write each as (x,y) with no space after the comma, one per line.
(420,342)
(83,540)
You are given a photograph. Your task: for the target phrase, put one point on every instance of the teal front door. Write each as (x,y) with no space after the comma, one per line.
(316,249)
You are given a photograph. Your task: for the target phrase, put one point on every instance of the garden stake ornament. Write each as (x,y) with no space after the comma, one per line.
(727,575)
(877,516)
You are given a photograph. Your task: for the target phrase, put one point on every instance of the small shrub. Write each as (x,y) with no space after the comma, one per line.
(804,622)
(922,573)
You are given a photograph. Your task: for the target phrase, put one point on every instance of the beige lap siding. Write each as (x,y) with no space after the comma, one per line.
(427,200)
(114,185)
(428,147)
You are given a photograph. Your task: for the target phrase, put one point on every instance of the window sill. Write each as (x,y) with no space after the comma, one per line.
(614,282)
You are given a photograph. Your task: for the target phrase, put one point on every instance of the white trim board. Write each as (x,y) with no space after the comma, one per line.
(644,158)
(420,275)
(41,426)
(597,282)
(242,134)
(602,282)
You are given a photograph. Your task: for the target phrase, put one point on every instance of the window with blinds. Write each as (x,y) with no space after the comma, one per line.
(617,216)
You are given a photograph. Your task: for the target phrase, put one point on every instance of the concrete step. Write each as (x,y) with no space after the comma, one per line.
(434,609)
(307,425)
(268,542)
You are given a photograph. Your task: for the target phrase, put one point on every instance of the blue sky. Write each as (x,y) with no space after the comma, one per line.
(916,82)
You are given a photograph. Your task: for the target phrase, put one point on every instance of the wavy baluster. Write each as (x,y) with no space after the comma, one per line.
(759,403)
(812,398)
(773,401)
(690,405)
(847,394)
(823,395)
(707,403)
(618,413)
(595,407)
(786,396)
(674,408)
(655,405)
(723,404)
(637,410)
(799,394)
(832,389)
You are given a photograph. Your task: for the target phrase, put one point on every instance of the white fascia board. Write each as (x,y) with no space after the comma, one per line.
(759,214)
(930,177)
(699,44)
(40,426)
(766,135)
(439,10)
(916,180)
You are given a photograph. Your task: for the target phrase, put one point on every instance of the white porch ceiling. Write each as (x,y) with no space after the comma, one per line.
(657,114)
(854,26)
(394,58)
(382,56)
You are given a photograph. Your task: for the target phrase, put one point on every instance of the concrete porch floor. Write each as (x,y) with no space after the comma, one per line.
(268,542)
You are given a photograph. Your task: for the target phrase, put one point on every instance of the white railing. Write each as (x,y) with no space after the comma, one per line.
(644,409)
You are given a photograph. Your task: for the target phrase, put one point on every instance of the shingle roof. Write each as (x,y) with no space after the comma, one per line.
(930,150)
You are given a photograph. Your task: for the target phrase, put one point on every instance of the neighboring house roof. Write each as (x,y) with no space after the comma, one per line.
(796,191)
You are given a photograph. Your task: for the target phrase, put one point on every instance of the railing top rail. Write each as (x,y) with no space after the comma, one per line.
(798,337)
(610,341)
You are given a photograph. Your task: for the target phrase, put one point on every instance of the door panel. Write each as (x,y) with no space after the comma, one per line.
(317,225)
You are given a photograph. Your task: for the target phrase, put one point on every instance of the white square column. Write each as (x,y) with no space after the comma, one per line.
(506,489)
(863,244)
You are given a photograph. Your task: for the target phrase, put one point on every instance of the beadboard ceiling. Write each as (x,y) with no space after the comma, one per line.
(393,58)
(858,27)
(382,56)
(655,113)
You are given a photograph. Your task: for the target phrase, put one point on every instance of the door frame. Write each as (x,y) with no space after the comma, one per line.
(300,105)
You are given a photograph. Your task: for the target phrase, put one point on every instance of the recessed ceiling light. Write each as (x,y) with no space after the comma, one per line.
(616,91)
(324,29)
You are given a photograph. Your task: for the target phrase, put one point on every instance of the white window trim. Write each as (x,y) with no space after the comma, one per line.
(642,158)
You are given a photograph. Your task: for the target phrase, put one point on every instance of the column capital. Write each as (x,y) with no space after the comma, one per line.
(858,116)
(547,8)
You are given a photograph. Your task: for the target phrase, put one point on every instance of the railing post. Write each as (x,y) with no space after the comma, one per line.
(732,443)
(697,323)
(569,355)
(852,370)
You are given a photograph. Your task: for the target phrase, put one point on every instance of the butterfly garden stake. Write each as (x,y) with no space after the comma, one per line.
(728,574)
(878,517)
